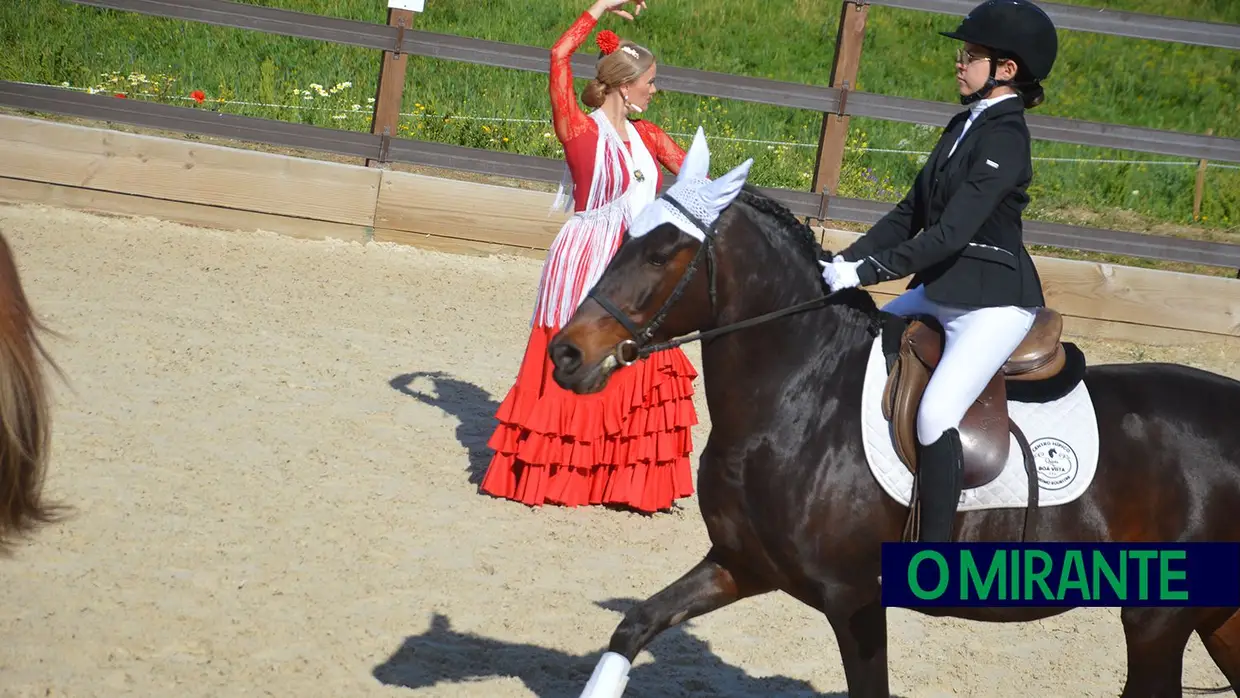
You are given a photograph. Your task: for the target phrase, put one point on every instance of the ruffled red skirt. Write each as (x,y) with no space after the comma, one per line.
(627,445)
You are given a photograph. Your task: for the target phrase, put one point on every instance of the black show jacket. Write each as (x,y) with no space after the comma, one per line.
(958,230)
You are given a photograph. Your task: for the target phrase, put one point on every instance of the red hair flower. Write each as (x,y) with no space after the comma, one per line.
(607,41)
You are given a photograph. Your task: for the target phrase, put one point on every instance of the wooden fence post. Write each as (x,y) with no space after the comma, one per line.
(848,42)
(1199,190)
(392,77)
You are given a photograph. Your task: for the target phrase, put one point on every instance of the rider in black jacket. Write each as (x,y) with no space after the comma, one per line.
(958,232)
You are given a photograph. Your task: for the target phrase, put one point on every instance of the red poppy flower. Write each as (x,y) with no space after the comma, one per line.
(198,96)
(121,95)
(607,40)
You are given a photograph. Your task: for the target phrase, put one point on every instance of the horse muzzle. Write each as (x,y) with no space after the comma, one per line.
(573,373)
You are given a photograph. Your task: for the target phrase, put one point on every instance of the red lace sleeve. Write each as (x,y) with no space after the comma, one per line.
(667,151)
(568,118)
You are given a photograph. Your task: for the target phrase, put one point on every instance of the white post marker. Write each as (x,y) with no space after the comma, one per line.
(610,676)
(415,5)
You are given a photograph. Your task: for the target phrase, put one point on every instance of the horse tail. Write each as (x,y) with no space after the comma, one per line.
(25,430)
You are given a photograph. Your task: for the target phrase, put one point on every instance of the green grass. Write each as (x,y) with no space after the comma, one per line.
(1097,78)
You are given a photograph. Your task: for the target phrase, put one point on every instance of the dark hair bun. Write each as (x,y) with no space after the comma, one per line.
(1032,95)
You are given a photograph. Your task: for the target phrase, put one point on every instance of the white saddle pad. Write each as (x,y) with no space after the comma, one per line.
(1063,436)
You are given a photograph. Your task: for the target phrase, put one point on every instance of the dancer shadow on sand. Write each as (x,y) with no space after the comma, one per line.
(472,406)
(443,655)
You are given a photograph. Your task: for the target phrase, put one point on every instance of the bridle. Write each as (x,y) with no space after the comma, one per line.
(640,336)
(637,345)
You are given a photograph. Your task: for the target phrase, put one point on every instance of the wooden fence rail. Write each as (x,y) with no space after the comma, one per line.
(690,81)
(108,171)
(55,100)
(836,102)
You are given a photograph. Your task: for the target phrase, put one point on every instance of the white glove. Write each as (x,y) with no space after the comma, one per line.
(840,274)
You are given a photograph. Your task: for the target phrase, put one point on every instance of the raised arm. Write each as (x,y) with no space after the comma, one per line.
(567,117)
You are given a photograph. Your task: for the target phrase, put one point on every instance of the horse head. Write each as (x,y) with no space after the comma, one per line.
(704,253)
(661,283)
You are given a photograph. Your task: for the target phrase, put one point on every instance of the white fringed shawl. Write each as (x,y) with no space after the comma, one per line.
(589,239)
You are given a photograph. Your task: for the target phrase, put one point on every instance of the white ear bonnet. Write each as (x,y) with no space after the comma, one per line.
(700,196)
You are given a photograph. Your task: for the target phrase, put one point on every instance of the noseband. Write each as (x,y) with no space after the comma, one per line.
(636,345)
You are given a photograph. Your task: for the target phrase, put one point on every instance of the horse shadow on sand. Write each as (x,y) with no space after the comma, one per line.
(683,666)
(472,406)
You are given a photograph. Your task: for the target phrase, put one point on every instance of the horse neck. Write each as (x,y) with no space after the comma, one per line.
(767,272)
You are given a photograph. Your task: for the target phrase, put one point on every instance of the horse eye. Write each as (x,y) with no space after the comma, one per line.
(656,259)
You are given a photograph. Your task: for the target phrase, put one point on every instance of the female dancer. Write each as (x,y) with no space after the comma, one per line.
(628,445)
(959,232)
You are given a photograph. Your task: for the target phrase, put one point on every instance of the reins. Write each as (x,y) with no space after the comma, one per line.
(732,327)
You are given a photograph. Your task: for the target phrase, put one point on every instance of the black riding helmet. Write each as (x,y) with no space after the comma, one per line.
(1015,29)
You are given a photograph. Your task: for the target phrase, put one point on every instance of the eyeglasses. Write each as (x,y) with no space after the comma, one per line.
(964,57)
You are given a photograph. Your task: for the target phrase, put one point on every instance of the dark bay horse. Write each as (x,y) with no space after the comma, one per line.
(788,499)
(24,416)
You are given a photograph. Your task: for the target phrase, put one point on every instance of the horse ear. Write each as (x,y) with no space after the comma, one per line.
(720,192)
(697,160)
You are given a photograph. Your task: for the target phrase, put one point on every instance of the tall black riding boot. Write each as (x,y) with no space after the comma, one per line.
(941,468)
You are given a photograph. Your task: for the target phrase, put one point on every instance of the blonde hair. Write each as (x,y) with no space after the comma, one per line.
(615,69)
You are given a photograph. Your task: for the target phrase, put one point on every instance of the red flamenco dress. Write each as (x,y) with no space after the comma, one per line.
(628,445)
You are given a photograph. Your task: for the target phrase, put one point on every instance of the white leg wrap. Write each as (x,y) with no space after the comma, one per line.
(610,676)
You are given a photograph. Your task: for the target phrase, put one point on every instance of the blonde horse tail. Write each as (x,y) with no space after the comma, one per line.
(25,430)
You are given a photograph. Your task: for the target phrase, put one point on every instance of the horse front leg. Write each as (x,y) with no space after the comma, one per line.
(861,632)
(708,586)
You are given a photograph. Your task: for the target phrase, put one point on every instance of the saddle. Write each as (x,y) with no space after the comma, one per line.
(984,429)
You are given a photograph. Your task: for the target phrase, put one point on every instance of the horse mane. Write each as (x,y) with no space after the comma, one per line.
(782,226)
(789,224)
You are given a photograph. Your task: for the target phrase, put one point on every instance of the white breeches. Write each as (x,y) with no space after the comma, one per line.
(978,342)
